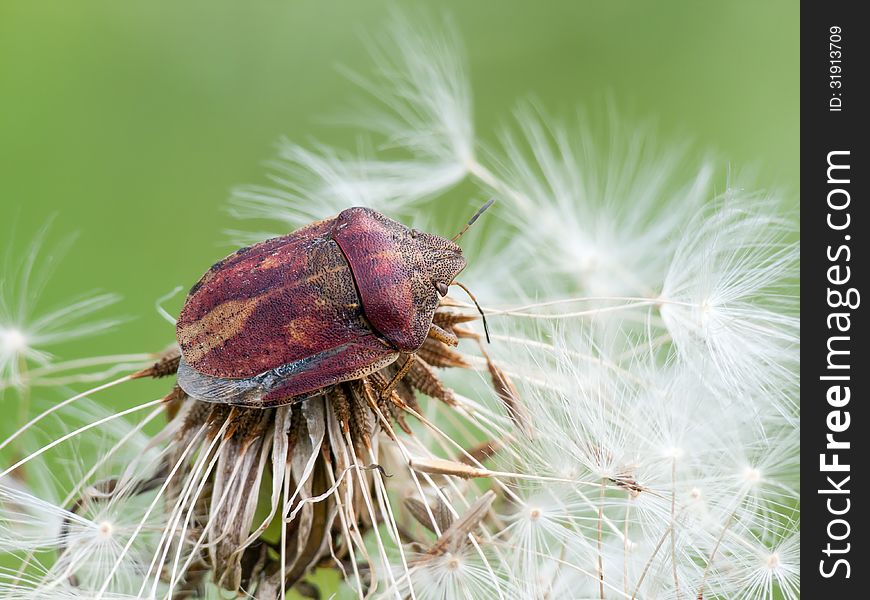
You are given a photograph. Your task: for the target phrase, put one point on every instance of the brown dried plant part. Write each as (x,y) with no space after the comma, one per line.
(441,466)
(482,452)
(439,355)
(456,535)
(441,518)
(508,394)
(310,466)
(165,365)
(627,482)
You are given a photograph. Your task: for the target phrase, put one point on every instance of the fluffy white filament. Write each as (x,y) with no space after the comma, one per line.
(649,325)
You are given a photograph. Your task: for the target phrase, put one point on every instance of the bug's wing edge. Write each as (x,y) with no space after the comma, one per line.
(289,382)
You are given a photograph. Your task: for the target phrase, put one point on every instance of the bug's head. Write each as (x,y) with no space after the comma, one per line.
(400,273)
(442,258)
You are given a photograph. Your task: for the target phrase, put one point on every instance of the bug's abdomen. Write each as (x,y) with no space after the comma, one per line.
(275,303)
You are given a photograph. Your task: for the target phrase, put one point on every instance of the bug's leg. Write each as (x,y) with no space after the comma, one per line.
(403,370)
(394,404)
(443,336)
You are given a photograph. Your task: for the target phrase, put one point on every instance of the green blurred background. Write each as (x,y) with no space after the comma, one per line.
(132,120)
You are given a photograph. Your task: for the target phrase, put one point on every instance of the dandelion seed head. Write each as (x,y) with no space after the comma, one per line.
(762,568)
(674,452)
(752,475)
(105,529)
(568,193)
(424,90)
(453,575)
(729,301)
(26,332)
(310,185)
(12,340)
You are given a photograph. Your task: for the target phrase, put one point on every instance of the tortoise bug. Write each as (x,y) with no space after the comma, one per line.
(335,301)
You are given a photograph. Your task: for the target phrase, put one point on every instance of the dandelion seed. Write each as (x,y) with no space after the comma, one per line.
(426,110)
(25,336)
(337,183)
(730,301)
(757,569)
(88,537)
(423,87)
(596,209)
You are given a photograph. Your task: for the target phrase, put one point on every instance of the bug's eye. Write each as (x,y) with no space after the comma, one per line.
(442,289)
(414,233)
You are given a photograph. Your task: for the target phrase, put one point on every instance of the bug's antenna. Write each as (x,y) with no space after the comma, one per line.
(467,291)
(472,220)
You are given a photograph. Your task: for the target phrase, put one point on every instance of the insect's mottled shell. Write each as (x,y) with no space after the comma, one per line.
(396,270)
(330,302)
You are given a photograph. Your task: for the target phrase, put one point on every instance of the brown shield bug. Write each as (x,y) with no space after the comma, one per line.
(334,301)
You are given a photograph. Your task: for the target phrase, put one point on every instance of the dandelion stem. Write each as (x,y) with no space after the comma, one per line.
(600,541)
(649,562)
(712,556)
(673,527)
